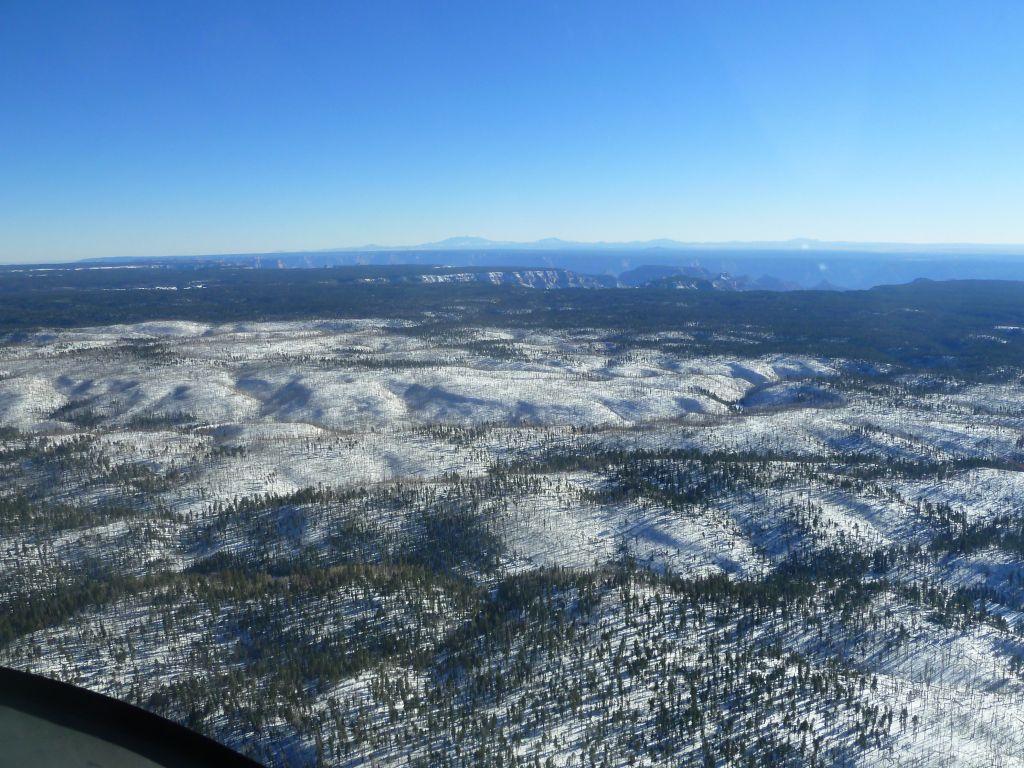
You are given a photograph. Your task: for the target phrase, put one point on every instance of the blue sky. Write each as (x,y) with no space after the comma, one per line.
(143,128)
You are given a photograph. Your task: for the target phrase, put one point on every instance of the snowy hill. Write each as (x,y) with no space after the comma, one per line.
(528,537)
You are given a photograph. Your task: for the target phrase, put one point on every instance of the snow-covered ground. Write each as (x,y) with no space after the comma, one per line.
(166,445)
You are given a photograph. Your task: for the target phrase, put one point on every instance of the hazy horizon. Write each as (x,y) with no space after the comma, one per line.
(456,243)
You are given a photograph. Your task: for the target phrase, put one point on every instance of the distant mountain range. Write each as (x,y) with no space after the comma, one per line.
(789,265)
(463,243)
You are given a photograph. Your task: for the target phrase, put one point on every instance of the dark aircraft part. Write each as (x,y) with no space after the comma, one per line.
(46,723)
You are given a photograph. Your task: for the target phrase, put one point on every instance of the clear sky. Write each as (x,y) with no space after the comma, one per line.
(144,128)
